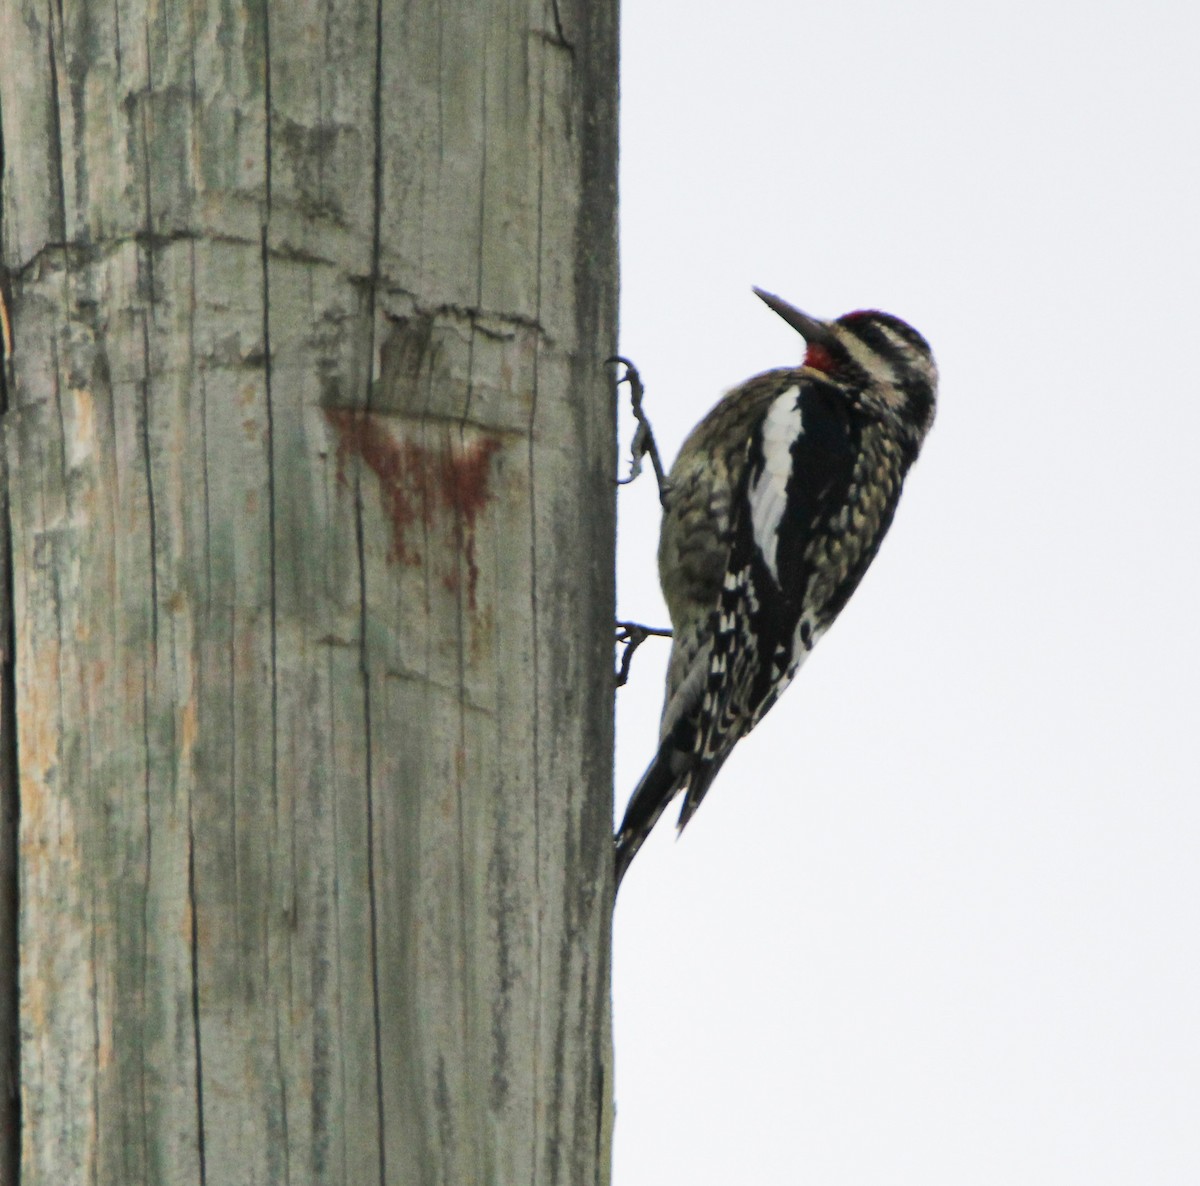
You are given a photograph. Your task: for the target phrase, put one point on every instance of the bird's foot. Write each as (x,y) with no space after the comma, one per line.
(631,635)
(643,443)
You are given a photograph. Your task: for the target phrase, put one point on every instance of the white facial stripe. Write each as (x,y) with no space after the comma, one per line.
(878,367)
(768,494)
(903,346)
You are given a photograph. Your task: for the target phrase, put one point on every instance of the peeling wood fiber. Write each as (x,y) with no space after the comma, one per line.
(310,448)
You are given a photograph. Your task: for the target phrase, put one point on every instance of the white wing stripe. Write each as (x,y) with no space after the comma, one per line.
(782,426)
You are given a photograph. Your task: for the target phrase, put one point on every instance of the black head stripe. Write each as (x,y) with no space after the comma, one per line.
(872,329)
(867,329)
(918,400)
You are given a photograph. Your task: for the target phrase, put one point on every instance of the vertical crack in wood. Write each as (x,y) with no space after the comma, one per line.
(198,377)
(464,774)
(148,674)
(560,36)
(144,426)
(10,1047)
(365,672)
(372,294)
(270,408)
(10,1060)
(461,777)
(282,1076)
(147,899)
(204,456)
(234,839)
(535,627)
(376,198)
(535,690)
(147,319)
(58,213)
(195,961)
(116,10)
(272,562)
(339,942)
(272,557)
(58,642)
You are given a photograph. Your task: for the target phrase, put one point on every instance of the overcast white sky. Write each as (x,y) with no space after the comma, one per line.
(937,921)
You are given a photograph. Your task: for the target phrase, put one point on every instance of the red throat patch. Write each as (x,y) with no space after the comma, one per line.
(819,359)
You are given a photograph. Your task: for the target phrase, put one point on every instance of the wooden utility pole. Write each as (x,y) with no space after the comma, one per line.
(309,445)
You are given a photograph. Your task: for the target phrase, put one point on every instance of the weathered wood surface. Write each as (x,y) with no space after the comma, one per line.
(310,446)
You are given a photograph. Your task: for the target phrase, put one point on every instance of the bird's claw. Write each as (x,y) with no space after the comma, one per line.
(643,443)
(631,635)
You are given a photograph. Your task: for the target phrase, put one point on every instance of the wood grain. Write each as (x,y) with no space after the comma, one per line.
(310,449)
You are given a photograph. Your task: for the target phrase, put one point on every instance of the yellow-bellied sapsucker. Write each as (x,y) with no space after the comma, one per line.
(773,510)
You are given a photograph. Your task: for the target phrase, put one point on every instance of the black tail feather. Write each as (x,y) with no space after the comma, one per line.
(649,800)
(672,770)
(701,779)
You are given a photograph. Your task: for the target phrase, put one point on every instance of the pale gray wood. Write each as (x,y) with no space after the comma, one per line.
(310,448)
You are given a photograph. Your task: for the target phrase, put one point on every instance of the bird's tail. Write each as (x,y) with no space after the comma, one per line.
(649,800)
(703,773)
(673,769)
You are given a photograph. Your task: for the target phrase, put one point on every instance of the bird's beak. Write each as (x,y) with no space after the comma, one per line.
(812,330)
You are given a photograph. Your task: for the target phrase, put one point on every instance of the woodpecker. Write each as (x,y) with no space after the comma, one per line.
(772,512)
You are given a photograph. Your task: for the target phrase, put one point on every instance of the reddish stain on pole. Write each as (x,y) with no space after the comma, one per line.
(443,486)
